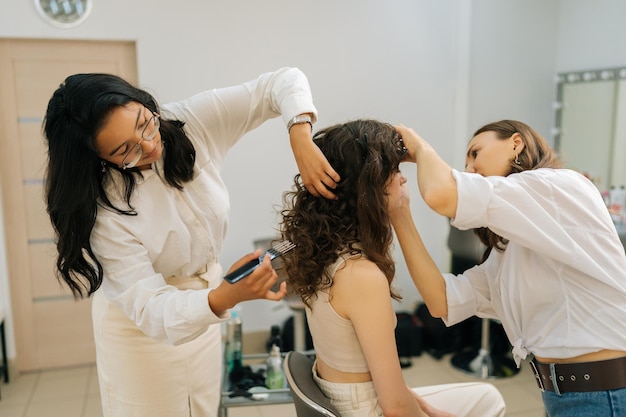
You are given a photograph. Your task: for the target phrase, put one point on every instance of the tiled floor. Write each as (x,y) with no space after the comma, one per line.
(73,392)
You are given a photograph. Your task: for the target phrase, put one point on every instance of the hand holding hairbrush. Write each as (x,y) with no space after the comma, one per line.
(245,270)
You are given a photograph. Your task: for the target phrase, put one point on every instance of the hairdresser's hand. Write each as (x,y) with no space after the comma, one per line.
(255,286)
(411,140)
(318,176)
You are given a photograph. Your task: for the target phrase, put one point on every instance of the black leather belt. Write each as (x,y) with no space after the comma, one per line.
(580,377)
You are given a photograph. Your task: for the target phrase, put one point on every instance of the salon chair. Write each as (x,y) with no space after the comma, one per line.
(481,362)
(308,399)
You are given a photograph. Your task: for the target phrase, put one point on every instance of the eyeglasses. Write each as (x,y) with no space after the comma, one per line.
(148,133)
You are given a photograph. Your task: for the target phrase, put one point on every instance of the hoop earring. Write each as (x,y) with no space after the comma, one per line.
(516,159)
(103,163)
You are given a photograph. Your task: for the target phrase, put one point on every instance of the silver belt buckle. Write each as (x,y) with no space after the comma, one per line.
(537,376)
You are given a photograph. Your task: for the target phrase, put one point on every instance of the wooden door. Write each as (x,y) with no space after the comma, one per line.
(51,328)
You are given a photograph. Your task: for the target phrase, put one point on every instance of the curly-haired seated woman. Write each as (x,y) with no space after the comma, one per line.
(342,269)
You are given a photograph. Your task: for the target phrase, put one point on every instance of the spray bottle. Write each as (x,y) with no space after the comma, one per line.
(233,341)
(274,378)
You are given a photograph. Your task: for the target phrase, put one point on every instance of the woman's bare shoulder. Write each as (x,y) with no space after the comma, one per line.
(359,275)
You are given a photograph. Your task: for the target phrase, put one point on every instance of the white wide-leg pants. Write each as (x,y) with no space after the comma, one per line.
(469,399)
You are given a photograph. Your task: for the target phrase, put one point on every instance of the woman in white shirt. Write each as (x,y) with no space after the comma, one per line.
(135,194)
(342,269)
(554,272)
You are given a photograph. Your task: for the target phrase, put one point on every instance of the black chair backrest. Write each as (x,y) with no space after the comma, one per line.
(308,399)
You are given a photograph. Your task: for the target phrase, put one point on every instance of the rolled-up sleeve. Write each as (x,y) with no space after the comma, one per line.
(468,294)
(473,200)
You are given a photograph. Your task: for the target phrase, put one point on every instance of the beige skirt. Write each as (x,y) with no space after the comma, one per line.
(140,376)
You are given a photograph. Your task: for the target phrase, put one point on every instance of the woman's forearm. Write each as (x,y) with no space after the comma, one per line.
(423,270)
(434,176)
(435,180)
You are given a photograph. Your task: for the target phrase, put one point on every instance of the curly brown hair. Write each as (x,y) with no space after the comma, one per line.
(536,154)
(366,154)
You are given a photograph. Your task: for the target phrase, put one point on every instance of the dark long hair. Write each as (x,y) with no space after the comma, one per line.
(76,178)
(365,153)
(536,154)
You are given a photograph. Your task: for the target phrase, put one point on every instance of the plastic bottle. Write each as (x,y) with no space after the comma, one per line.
(274,338)
(233,341)
(274,377)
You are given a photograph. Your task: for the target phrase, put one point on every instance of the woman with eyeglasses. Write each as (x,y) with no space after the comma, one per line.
(342,269)
(554,270)
(136,198)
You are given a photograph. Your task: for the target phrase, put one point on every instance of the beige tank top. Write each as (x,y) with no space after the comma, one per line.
(334,338)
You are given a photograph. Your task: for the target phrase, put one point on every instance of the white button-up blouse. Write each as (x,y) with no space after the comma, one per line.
(559,287)
(180,233)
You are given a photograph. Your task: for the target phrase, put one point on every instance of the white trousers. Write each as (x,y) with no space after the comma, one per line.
(142,377)
(469,399)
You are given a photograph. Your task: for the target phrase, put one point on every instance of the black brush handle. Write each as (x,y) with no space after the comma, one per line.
(248,268)
(243,271)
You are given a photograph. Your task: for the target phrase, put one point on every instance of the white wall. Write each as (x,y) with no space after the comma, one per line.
(444,68)
(513,50)
(590,36)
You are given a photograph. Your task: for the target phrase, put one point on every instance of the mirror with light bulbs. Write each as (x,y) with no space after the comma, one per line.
(590,132)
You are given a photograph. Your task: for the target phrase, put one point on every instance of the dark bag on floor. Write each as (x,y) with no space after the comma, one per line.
(408,337)
(439,340)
